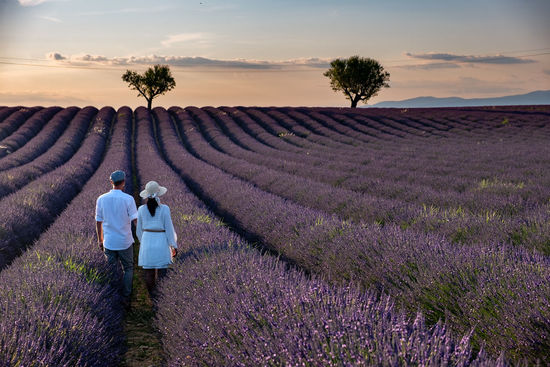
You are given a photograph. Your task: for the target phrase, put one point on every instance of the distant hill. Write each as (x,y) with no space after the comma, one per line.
(533,98)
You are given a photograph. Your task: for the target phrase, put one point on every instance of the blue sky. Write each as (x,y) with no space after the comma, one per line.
(269,52)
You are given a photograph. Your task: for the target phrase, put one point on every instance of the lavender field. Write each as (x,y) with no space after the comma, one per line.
(308,236)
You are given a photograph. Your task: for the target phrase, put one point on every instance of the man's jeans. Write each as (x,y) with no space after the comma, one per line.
(126,258)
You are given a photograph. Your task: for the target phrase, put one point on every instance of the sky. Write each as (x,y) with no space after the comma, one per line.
(268,53)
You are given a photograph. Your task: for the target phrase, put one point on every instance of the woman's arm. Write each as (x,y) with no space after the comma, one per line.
(169,228)
(139,226)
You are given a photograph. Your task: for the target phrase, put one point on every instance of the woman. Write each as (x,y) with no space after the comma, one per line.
(156,235)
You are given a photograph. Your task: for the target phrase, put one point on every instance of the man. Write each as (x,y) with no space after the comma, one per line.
(114,213)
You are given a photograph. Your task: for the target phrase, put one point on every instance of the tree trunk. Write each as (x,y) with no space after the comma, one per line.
(149,103)
(355,100)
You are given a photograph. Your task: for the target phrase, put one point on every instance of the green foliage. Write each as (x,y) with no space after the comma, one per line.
(155,81)
(497,184)
(357,77)
(91,274)
(203,218)
(460,235)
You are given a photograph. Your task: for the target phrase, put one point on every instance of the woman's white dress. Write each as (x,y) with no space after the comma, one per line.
(154,251)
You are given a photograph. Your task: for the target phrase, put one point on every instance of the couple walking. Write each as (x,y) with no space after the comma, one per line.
(115,213)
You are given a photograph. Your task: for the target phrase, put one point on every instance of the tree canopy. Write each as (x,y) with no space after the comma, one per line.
(358,78)
(155,81)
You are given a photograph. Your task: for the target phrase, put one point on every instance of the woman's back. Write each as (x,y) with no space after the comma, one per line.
(153,222)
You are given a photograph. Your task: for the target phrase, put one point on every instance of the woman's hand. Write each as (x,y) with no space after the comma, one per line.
(173,251)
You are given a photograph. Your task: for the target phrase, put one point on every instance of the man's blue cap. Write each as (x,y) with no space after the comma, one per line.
(118,176)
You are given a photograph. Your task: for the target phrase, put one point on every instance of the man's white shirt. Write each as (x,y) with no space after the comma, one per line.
(116,210)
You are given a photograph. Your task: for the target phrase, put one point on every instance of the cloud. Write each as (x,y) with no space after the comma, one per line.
(35,2)
(56,56)
(195,62)
(496,59)
(186,61)
(311,62)
(193,38)
(430,66)
(90,58)
(51,19)
(31,2)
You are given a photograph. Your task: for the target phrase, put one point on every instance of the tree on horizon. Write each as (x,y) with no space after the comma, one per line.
(156,80)
(358,78)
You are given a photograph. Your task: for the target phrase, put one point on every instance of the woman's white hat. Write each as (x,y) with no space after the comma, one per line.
(153,190)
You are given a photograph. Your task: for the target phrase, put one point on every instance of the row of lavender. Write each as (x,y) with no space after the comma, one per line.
(53,146)
(14,118)
(27,130)
(6,111)
(508,160)
(58,302)
(292,121)
(468,285)
(387,155)
(42,141)
(270,315)
(491,209)
(429,146)
(216,148)
(276,289)
(25,213)
(409,155)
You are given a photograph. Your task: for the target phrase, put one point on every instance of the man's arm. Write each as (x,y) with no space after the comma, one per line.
(133,214)
(99,231)
(99,222)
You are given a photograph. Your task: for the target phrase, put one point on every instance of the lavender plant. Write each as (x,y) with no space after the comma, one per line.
(42,141)
(16,119)
(447,194)
(5,112)
(234,307)
(58,302)
(486,215)
(26,131)
(470,259)
(14,178)
(271,314)
(386,258)
(347,204)
(26,213)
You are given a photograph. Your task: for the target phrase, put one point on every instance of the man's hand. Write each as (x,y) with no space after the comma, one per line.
(99,231)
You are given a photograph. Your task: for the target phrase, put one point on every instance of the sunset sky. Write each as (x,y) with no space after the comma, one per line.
(259,52)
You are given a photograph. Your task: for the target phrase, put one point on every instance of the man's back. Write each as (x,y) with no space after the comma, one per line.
(116,210)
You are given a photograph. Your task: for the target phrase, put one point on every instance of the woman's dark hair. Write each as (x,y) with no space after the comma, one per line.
(152,206)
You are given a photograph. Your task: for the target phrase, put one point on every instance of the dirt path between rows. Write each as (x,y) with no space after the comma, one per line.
(142,339)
